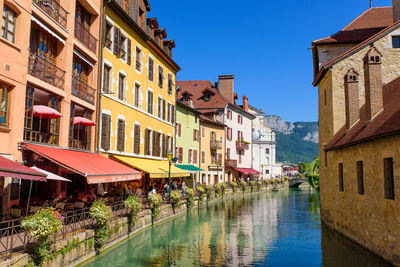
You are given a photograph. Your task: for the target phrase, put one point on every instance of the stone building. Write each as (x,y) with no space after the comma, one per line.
(264,146)
(359,124)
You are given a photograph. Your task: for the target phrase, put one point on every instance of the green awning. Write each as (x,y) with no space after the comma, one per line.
(190,168)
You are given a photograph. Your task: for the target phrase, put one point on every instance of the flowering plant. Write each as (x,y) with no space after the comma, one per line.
(133,204)
(156,200)
(209,192)
(252,185)
(234,186)
(176,196)
(200,190)
(223,187)
(190,201)
(259,185)
(243,185)
(102,214)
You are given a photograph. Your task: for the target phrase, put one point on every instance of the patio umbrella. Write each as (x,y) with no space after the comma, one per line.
(45,112)
(82,121)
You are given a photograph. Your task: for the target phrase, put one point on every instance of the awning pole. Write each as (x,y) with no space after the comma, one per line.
(29,198)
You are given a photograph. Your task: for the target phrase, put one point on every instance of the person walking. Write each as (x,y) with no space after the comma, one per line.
(183,189)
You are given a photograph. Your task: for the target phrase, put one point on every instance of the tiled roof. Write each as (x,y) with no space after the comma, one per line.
(211,121)
(366,25)
(385,123)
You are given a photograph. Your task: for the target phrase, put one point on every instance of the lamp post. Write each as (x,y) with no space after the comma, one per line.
(170,161)
(262,174)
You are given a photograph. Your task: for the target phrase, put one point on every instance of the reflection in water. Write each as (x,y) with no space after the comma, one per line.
(274,229)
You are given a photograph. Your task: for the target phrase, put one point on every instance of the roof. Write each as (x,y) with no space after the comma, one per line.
(211,121)
(9,168)
(187,107)
(197,88)
(96,168)
(366,25)
(354,50)
(384,124)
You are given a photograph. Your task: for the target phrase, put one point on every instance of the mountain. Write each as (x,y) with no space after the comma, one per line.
(296,141)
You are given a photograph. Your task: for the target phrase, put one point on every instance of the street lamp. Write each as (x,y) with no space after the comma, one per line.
(262,173)
(170,161)
(218,164)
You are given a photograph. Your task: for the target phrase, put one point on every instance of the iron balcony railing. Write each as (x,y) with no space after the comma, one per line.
(85,36)
(231,163)
(54,10)
(241,145)
(215,144)
(46,71)
(83,91)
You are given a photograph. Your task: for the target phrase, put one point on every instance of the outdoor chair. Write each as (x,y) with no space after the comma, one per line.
(15,212)
(79,205)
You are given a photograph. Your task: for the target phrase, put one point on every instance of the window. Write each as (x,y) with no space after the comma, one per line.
(170,84)
(138,64)
(80,70)
(194,156)
(195,135)
(267,151)
(228,153)
(122,47)
(180,154)
(266,171)
(8,25)
(396,41)
(240,119)
(163,109)
(207,97)
(360,177)
(121,85)
(159,107)
(203,157)
(160,77)
(107,79)
(121,135)
(105,131)
(389,178)
(44,46)
(4,105)
(341,185)
(169,112)
(150,102)
(137,92)
(189,156)
(107,37)
(150,74)
(79,135)
(136,139)
(179,129)
(173,114)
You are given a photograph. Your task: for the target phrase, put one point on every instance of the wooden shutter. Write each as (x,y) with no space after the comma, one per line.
(164,146)
(129,52)
(180,155)
(150,102)
(105,131)
(169,112)
(172,114)
(203,157)
(220,159)
(195,156)
(120,135)
(136,144)
(163,109)
(151,69)
(189,155)
(159,107)
(194,135)
(180,130)
(116,40)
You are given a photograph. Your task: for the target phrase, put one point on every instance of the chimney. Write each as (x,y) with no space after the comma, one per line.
(396,10)
(351,98)
(373,83)
(245,103)
(225,86)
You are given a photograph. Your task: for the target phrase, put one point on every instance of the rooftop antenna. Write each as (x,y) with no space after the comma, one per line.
(370,3)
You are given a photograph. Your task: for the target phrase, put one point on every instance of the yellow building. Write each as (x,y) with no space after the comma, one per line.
(212,152)
(137,120)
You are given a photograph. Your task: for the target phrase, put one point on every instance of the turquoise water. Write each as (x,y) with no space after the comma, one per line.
(265,229)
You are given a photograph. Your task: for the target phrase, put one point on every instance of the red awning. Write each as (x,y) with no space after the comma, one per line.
(96,168)
(247,171)
(9,168)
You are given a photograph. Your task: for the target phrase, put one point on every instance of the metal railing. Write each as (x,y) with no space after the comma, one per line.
(46,71)
(85,36)
(12,238)
(83,143)
(83,91)
(54,10)
(40,137)
(241,145)
(215,144)
(231,163)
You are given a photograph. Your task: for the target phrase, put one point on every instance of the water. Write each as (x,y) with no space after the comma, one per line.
(266,229)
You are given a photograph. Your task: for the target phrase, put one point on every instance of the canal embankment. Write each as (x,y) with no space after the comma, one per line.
(79,246)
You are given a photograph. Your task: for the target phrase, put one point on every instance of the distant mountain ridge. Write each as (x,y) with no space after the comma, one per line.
(296,141)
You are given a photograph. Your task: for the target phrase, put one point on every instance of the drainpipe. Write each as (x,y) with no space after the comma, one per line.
(100,72)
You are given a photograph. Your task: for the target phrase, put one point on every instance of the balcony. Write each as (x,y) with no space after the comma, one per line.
(81,143)
(54,10)
(242,145)
(40,136)
(83,91)
(46,71)
(214,144)
(85,36)
(231,163)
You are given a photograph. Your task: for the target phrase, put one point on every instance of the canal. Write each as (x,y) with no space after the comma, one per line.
(265,229)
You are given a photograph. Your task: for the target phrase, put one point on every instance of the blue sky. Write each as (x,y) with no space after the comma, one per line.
(264,43)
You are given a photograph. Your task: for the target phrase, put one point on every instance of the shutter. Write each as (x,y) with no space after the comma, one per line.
(180,130)
(105,131)
(116,40)
(128,59)
(151,69)
(154,144)
(172,114)
(158,144)
(136,145)
(220,159)
(159,107)
(164,146)
(195,156)
(120,135)
(194,135)
(163,110)
(169,112)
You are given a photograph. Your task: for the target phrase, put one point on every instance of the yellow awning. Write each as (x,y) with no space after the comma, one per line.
(156,168)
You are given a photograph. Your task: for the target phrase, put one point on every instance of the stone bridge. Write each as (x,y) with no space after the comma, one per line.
(296,182)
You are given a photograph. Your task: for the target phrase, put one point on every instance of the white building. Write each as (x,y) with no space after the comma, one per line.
(264,146)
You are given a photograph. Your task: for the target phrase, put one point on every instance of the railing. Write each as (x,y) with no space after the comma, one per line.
(12,238)
(40,137)
(241,145)
(83,91)
(80,143)
(46,71)
(215,144)
(54,10)
(231,163)
(85,36)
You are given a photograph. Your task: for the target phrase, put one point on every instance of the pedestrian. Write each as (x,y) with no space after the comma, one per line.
(183,186)
(166,190)
(174,186)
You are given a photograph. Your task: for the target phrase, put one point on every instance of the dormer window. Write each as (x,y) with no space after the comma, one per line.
(396,41)
(207,94)
(207,97)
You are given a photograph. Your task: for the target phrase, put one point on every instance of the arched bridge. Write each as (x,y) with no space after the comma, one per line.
(296,182)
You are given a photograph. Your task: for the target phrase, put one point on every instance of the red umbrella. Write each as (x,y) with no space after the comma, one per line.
(83,121)
(45,112)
